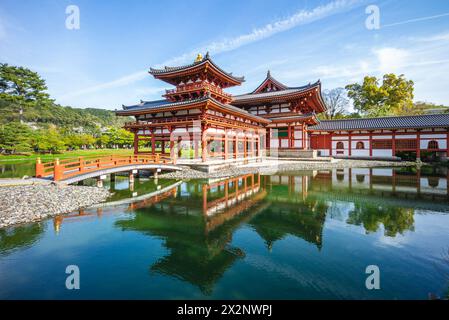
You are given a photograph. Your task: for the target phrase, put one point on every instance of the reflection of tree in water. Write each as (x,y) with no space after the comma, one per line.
(395,220)
(23,236)
(305,220)
(195,256)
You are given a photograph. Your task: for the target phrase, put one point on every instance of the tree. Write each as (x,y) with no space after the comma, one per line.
(22,87)
(15,137)
(49,140)
(393,97)
(336,102)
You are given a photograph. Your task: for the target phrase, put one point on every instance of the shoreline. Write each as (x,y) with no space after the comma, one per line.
(278,166)
(28,201)
(21,204)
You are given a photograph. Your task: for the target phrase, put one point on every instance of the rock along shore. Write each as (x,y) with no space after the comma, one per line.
(276,166)
(29,203)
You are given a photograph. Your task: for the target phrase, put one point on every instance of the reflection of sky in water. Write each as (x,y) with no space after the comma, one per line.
(306,236)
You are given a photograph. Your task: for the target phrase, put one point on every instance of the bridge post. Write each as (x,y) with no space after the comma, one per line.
(112,177)
(100,181)
(81,161)
(131,176)
(57,171)
(39,168)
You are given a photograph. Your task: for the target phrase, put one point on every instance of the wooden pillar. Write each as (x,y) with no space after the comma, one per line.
(236,149)
(163,146)
(350,144)
(245,142)
(172,144)
(203,144)
(289,134)
(393,144)
(226,145)
(153,142)
(39,168)
(136,142)
(447,146)
(195,149)
(418,145)
(330,144)
(370,144)
(303,136)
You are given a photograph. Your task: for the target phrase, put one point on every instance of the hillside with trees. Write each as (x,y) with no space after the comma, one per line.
(31,121)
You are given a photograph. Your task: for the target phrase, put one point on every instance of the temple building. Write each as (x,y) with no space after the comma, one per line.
(273,119)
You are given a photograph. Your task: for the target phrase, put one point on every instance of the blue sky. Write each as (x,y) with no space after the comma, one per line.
(104,64)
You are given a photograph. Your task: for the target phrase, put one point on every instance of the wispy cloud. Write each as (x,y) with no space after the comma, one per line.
(301,17)
(416,20)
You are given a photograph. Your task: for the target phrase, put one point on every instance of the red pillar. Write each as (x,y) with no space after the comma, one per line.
(289,134)
(203,144)
(370,144)
(418,145)
(195,147)
(153,143)
(226,145)
(136,142)
(393,144)
(350,144)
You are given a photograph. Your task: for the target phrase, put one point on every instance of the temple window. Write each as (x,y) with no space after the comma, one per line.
(433,145)
(340,145)
(360,145)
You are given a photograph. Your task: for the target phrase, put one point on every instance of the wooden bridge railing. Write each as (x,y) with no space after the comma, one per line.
(66,168)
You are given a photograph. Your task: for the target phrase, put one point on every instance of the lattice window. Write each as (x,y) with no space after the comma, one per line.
(340,145)
(406,144)
(432,145)
(382,144)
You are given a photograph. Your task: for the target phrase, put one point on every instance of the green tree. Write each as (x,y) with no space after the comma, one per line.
(393,97)
(50,140)
(15,137)
(22,87)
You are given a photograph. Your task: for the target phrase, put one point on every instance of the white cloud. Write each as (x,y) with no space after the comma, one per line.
(300,18)
(391,59)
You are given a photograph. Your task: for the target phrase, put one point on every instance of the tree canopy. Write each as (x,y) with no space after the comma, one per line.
(393,97)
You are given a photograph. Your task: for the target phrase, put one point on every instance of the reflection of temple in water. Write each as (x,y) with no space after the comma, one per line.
(197,220)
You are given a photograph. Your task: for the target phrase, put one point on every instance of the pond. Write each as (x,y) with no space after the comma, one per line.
(295,235)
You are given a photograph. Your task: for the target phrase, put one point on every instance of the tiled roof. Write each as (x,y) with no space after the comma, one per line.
(207,58)
(299,116)
(400,122)
(157,104)
(250,96)
(269,78)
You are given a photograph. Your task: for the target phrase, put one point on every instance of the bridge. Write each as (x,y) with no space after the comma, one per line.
(72,170)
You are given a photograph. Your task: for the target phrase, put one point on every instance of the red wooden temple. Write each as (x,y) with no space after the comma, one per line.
(199,115)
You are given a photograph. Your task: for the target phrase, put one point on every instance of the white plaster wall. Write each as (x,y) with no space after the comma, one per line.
(382,152)
(384,172)
(382,137)
(360,153)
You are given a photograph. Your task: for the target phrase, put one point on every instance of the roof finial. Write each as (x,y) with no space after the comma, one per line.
(207,55)
(268,74)
(199,57)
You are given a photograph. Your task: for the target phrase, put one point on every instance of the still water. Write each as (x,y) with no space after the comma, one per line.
(298,235)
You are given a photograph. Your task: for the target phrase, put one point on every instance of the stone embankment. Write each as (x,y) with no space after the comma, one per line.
(275,166)
(29,203)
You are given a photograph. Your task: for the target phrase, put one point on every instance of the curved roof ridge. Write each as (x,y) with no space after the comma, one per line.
(206,58)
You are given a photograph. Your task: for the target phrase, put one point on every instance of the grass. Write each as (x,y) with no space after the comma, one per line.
(80,153)
(66,154)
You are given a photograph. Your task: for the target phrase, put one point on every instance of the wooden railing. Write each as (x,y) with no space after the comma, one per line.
(67,168)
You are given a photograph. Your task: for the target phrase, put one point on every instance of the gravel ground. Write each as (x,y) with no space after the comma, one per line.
(22,204)
(271,167)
